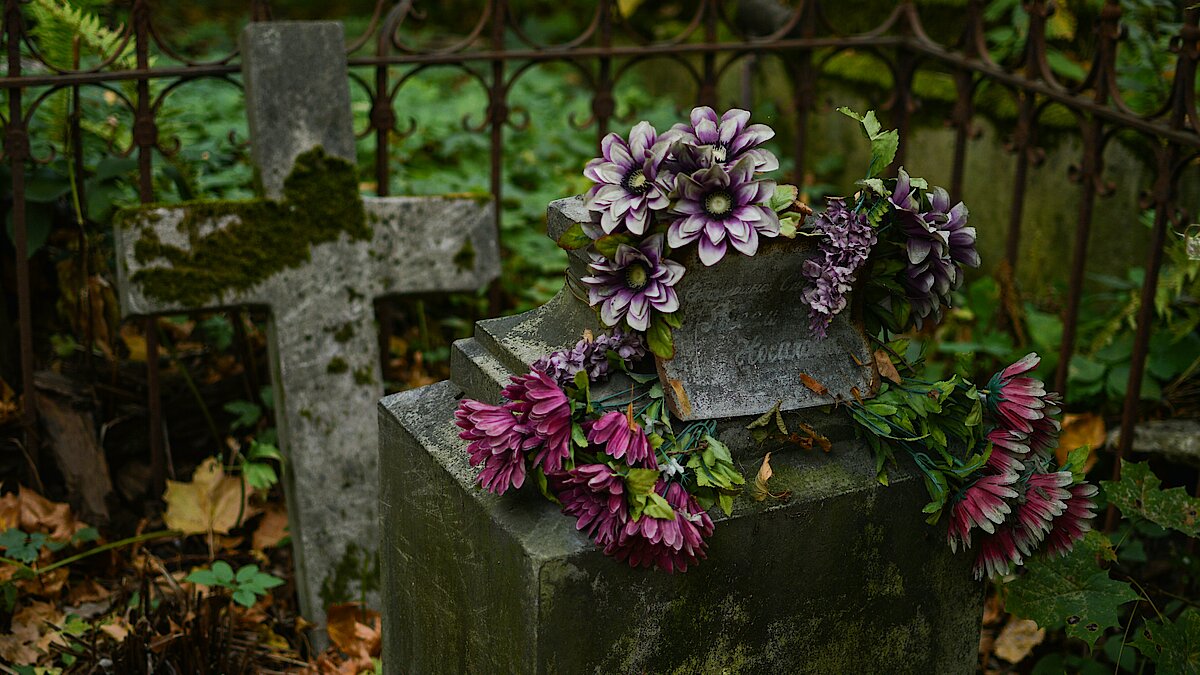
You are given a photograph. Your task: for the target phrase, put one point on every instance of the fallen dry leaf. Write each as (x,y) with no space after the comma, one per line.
(883,361)
(116,628)
(38,514)
(210,503)
(271,529)
(357,633)
(1018,638)
(46,585)
(134,341)
(761,490)
(1079,430)
(31,634)
(87,591)
(813,386)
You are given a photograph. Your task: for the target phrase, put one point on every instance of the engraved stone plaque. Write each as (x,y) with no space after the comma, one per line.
(745,339)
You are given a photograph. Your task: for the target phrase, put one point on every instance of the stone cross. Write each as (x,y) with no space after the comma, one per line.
(317,256)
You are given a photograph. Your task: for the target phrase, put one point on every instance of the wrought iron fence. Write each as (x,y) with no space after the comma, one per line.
(496,52)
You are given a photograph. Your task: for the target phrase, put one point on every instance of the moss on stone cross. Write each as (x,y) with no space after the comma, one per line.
(320,202)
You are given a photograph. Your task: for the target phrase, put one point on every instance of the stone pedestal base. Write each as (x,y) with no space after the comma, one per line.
(841,577)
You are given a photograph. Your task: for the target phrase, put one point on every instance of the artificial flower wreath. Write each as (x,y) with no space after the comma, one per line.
(640,483)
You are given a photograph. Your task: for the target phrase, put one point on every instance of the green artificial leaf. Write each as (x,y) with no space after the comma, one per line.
(607,245)
(874,185)
(1138,494)
(543,484)
(246,414)
(657,507)
(1173,646)
(1072,591)
(783,197)
(578,436)
(659,338)
(789,225)
(883,143)
(639,485)
(573,238)
(1077,461)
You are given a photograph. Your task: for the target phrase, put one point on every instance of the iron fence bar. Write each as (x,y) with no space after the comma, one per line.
(16,146)
(1091,169)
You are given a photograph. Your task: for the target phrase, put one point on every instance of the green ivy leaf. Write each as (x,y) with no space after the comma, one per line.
(1138,494)
(573,238)
(1072,591)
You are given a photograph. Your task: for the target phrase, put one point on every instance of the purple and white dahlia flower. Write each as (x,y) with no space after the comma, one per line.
(720,207)
(634,282)
(706,140)
(627,182)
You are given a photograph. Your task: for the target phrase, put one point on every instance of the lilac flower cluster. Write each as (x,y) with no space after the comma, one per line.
(532,431)
(700,181)
(1019,502)
(938,244)
(843,250)
(590,354)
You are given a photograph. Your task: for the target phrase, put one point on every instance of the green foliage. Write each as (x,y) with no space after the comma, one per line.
(714,469)
(247,414)
(26,547)
(1173,645)
(883,143)
(1138,495)
(938,423)
(247,584)
(1071,592)
(659,337)
(258,471)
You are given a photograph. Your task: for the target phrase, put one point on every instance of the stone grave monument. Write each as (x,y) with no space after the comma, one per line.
(828,580)
(316,255)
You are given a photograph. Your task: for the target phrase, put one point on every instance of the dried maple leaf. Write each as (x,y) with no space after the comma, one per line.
(813,386)
(883,361)
(271,529)
(210,503)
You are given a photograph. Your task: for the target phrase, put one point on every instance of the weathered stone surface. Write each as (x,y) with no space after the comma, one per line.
(744,323)
(326,366)
(1175,440)
(843,577)
(296,94)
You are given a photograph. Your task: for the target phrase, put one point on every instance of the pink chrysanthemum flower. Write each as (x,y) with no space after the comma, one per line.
(669,545)
(1043,439)
(547,413)
(595,495)
(1046,496)
(1016,400)
(1007,448)
(998,554)
(1075,521)
(622,438)
(498,441)
(981,505)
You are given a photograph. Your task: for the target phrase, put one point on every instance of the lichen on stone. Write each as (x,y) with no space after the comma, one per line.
(320,203)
